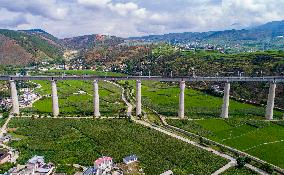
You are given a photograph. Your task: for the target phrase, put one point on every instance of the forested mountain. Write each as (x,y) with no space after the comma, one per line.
(265,37)
(31,46)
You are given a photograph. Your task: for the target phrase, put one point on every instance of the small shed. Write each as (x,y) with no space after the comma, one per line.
(130,159)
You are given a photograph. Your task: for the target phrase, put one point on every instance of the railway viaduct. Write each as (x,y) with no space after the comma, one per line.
(225,107)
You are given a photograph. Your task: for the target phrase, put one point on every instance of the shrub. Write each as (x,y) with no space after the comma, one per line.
(203,141)
(268,168)
(247,159)
(5,114)
(241,162)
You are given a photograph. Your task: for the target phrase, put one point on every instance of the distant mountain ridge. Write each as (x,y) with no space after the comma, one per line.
(267,35)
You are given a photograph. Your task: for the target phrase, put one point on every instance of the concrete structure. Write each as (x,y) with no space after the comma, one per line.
(181,100)
(182,80)
(14,96)
(138,98)
(96,99)
(276,79)
(226,99)
(55,106)
(270,102)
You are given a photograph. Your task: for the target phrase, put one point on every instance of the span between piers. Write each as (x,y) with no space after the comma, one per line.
(273,80)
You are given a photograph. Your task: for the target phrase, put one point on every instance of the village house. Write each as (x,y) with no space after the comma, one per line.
(35,166)
(4,156)
(5,138)
(103,165)
(130,159)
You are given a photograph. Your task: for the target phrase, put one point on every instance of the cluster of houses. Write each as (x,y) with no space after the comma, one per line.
(37,166)
(5,103)
(106,166)
(34,166)
(26,98)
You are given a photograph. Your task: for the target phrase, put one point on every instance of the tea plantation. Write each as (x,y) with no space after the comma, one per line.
(68,141)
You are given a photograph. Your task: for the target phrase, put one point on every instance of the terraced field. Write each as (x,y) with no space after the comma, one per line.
(262,139)
(68,141)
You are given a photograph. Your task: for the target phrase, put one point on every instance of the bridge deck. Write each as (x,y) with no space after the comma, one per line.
(152,78)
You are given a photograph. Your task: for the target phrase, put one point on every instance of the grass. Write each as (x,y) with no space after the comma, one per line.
(239,171)
(164,98)
(72,103)
(69,141)
(261,139)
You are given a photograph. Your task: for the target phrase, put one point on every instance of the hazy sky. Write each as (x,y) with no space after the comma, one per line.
(65,18)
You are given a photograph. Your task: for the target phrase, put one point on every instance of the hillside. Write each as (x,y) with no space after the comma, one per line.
(28,45)
(164,59)
(90,41)
(11,53)
(52,40)
(265,37)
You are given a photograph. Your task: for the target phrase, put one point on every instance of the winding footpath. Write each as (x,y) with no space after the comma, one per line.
(4,127)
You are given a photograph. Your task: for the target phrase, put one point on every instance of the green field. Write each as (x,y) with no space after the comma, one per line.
(71,102)
(164,98)
(68,141)
(261,139)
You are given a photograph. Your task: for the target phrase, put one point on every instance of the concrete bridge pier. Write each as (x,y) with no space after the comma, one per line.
(270,102)
(181,100)
(55,107)
(14,96)
(138,98)
(226,101)
(96,99)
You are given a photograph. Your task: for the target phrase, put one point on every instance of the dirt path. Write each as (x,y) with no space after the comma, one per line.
(4,127)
